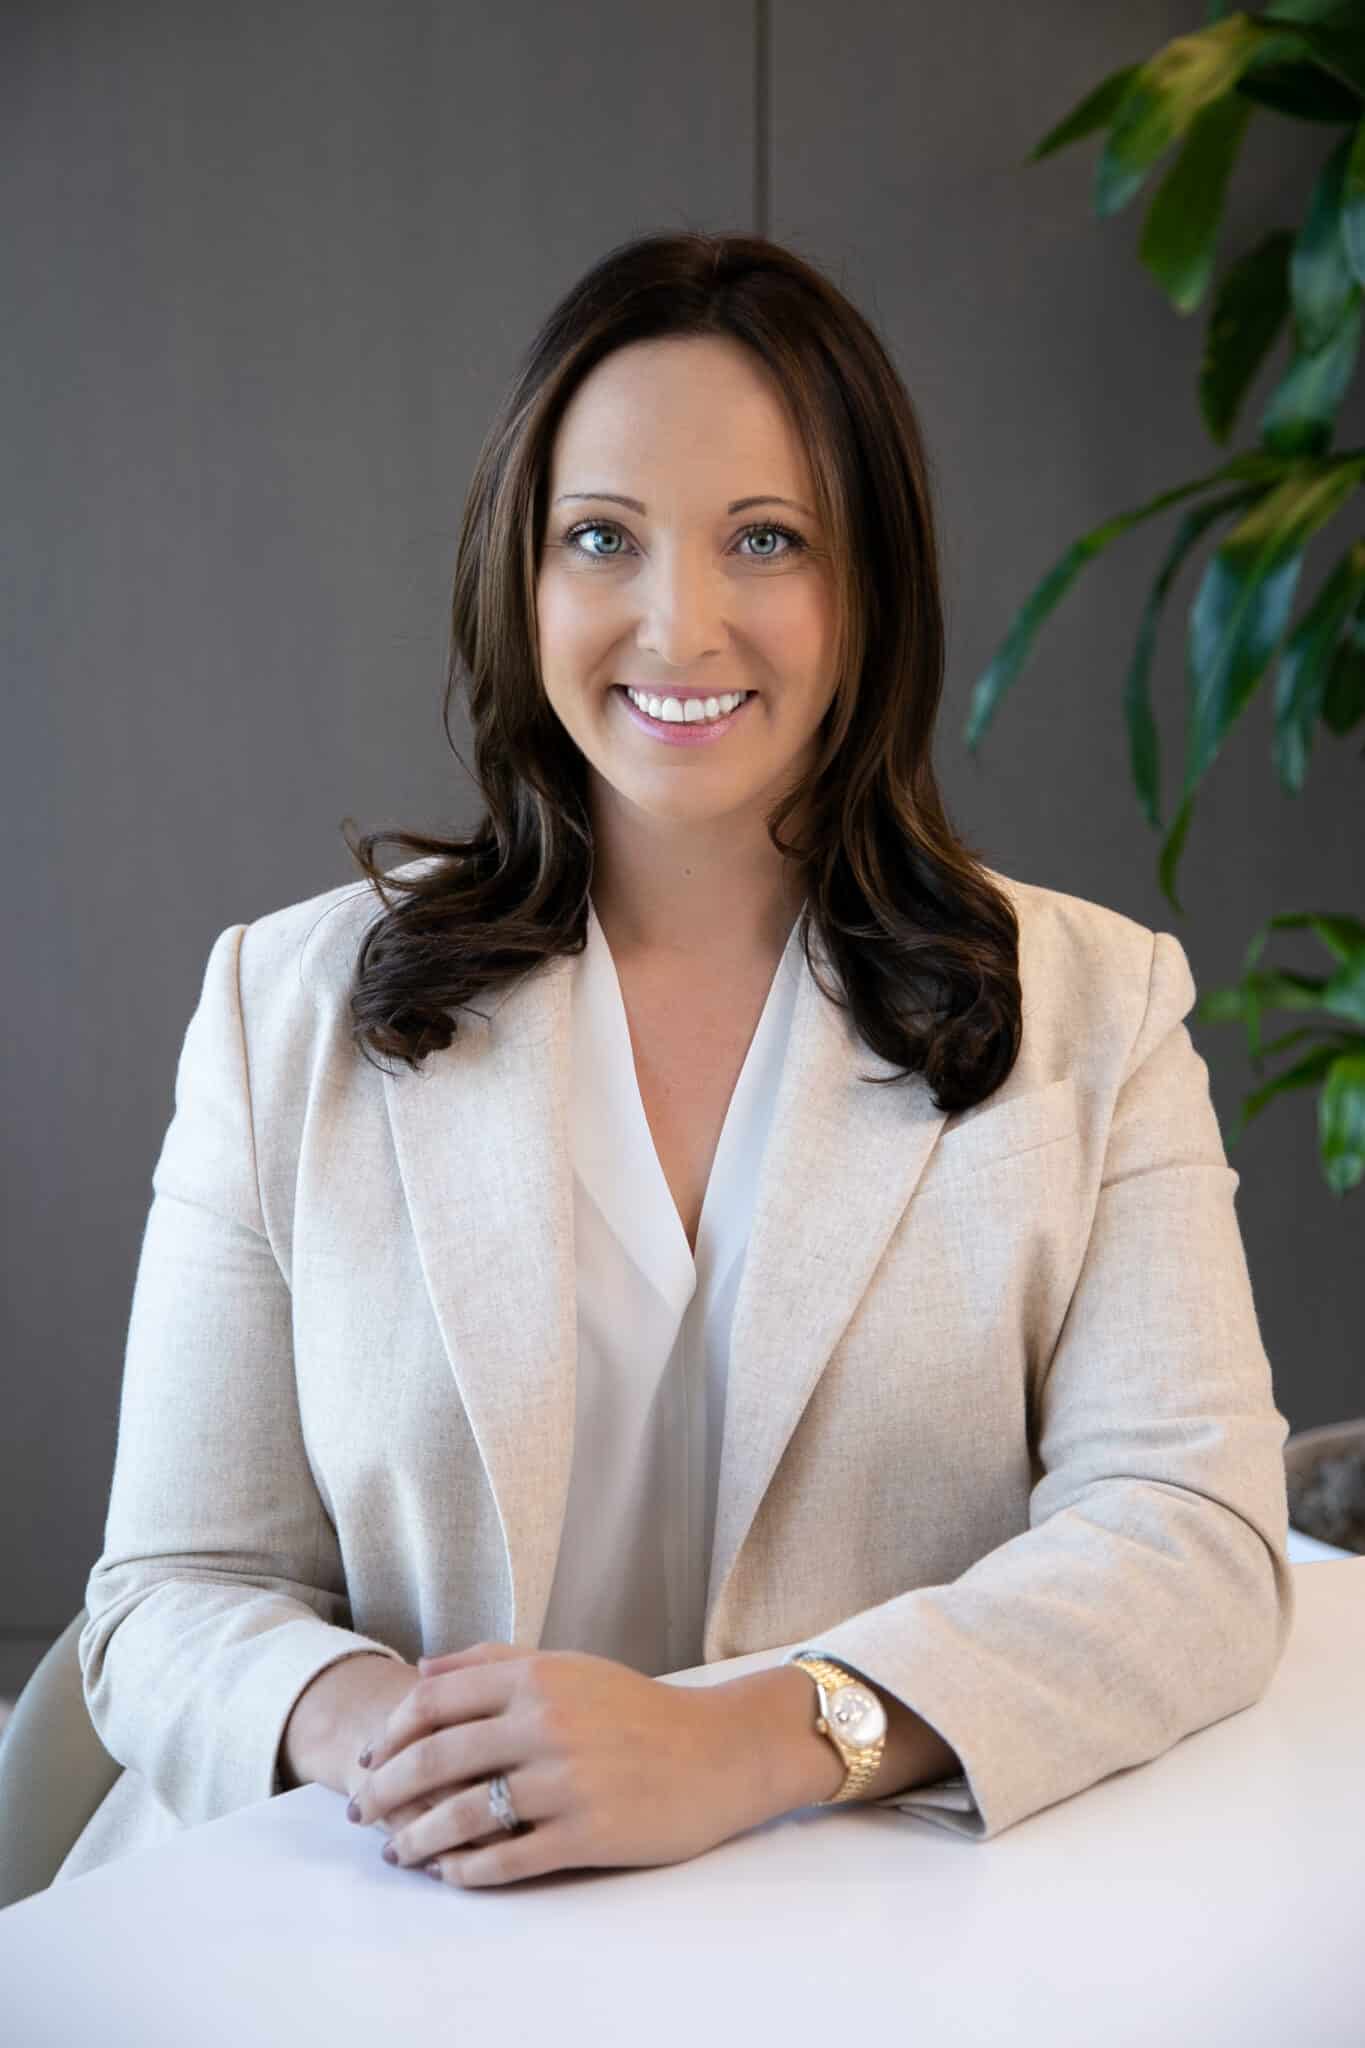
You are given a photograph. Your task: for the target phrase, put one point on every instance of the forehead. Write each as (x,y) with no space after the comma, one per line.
(704,403)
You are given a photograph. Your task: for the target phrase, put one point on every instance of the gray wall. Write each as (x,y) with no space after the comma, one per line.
(268,268)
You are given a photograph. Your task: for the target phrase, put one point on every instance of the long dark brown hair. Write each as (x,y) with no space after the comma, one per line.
(924,943)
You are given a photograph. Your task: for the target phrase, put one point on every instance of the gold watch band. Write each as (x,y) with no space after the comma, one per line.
(861,1765)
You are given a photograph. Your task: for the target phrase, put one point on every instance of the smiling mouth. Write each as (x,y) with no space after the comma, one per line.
(683,699)
(683,731)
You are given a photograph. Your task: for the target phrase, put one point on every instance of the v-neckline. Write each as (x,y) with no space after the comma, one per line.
(738,1112)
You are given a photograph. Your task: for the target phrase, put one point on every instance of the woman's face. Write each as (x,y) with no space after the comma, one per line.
(685,595)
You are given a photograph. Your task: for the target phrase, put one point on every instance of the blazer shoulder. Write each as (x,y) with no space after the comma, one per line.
(301,958)
(1086,971)
(1071,928)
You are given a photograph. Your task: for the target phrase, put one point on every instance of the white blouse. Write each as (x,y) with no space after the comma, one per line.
(653,1334)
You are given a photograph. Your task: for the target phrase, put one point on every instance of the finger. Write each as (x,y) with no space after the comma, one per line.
(401,1812)
(461,1816)
(544,1849)
(397,1818)
(370,1758)
(450,1755)
(477,1653)
(400,1817)
(416,1716)
(395,1824)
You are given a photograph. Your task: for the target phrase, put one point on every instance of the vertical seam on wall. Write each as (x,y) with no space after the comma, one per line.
(762,194)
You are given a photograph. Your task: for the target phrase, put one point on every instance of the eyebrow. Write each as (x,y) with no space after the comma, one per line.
(739,504)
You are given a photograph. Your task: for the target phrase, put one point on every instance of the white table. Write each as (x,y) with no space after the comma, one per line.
(1214,1898)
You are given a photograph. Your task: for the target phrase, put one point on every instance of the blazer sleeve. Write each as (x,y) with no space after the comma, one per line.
(220,1591)
(1151,1594)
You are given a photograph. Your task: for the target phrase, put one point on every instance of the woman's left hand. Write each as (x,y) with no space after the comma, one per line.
(608,1766)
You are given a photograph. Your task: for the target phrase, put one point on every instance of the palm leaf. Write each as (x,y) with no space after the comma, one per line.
(1249,309)
(1306,664)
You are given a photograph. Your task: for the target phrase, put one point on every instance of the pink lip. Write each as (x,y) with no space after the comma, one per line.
(677,734)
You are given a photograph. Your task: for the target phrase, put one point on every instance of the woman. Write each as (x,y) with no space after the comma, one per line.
(778,1232)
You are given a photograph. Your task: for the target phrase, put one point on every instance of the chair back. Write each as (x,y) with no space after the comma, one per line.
(54,1771)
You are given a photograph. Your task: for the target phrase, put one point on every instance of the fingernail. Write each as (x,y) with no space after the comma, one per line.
(364,1758)
(432,1869)
(390,1853)
(353,1811)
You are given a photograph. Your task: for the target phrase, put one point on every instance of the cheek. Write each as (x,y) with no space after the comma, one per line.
(572,633)
(797,635)
(551,615)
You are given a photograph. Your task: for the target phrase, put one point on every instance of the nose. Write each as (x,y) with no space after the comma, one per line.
(682,622)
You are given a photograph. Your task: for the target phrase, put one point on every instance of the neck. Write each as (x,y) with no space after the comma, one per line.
(694,926)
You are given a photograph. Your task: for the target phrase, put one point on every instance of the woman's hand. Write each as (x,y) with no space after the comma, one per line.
(390,1682)
(608,1766)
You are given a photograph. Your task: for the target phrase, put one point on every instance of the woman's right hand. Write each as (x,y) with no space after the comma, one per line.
(376,1693)
(341,1708)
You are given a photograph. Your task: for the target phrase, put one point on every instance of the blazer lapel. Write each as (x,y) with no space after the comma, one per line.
(482,1142)
(841,1163)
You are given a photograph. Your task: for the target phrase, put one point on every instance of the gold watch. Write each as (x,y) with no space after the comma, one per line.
(853,1718)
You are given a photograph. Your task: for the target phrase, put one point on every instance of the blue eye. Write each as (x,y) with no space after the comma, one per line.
(797,543)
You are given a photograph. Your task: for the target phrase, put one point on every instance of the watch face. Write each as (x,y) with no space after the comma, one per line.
(858,1716)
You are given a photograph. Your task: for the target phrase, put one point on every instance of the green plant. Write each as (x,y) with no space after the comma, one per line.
(1304,59)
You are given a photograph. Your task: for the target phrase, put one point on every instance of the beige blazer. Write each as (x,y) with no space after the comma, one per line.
(1000,1431)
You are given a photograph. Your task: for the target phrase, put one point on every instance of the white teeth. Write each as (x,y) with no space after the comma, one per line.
(694,711)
